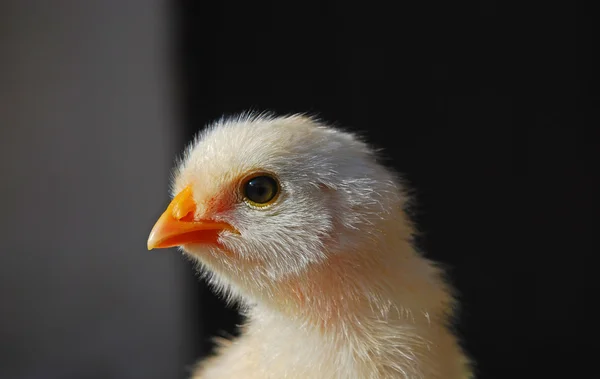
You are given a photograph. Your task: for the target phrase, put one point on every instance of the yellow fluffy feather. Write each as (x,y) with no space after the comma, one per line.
(325,270)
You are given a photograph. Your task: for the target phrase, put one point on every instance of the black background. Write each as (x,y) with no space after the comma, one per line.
(490,112)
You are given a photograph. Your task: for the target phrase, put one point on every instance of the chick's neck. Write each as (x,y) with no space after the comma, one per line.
(383,280)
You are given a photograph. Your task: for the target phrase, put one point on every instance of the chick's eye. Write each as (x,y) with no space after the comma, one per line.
(261,190)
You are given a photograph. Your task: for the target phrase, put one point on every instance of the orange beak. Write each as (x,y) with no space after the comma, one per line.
(177,226)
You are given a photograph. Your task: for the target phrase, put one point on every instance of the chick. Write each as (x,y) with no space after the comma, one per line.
(298,222)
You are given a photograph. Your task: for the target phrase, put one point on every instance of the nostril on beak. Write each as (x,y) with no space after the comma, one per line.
(184,206)
(188,217)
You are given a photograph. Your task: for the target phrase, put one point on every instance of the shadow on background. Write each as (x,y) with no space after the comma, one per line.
(495,125)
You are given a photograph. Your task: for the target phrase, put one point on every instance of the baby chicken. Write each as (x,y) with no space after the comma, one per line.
(298,222)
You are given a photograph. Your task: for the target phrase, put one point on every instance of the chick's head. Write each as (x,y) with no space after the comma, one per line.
(258,200)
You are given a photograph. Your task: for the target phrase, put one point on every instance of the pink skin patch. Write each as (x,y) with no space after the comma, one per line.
(220,203)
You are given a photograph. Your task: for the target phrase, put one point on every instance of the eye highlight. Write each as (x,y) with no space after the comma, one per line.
(261,190)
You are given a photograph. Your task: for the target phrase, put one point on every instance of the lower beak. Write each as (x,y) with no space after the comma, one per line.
(176,226)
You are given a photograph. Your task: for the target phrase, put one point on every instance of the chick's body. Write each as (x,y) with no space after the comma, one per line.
(325,270)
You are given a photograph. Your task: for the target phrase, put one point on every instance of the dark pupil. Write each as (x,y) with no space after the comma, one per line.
(261,189)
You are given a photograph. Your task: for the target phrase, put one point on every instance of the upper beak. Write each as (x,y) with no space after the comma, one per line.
(177,226)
